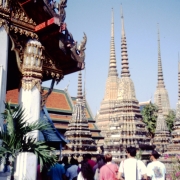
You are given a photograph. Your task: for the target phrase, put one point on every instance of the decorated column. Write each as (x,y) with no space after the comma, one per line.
(3,67)
(29,96)
(30,99)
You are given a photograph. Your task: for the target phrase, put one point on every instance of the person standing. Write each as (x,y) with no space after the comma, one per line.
(57,172)
(131,168)
(156,170)
(65,163)
(86,172)
(89,160)
(109,170)
(99,163)
(72,171)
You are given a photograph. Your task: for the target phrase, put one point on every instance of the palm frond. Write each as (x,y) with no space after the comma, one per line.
(18,138)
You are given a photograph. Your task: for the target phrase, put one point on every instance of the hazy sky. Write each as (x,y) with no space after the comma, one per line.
(140,19)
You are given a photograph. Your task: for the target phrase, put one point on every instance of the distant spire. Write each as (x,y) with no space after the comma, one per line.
(124,55)
(160,72)
(79,94)
(178,78)
(112,61)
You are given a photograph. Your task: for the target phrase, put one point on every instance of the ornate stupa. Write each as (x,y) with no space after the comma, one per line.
(110,96)
(162,135)
(126,127)
(161,90)
(78,134)
(174,147)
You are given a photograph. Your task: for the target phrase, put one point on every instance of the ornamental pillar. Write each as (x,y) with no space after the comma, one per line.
(30,91)
(30,99)
(3,68)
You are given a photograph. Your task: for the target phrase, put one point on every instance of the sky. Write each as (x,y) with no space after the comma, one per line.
(140,21)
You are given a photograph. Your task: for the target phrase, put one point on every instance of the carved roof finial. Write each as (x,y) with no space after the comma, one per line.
(124,55)
(112,61)
(79,94)
(160,72)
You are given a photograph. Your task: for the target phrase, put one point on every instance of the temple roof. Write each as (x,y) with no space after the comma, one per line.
(43,20)
(50,135)
(60,107)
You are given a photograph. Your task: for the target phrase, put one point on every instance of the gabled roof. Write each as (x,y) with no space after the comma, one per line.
(59,101)
(60,107)
(53,134)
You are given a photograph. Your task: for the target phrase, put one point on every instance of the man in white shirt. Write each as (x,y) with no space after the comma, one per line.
(156,170)
(131,168)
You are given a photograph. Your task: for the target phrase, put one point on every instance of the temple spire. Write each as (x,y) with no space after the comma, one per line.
(160,72)
(79,94)
(124,55)
(112,61)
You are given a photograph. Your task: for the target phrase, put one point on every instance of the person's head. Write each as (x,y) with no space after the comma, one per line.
(131,151)
(87,171)
(73,161)
(154,155)
(65,160)
(108,157)
(88,156)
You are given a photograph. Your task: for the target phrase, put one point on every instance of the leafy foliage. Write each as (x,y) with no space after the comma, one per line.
(16,137)
(170,119)
(149,114)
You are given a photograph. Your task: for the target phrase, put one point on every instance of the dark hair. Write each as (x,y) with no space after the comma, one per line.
(108,157)
(101,161)
(87,171)
(155,154)
(88,156)
(131,150)
(73,161)
(65,160)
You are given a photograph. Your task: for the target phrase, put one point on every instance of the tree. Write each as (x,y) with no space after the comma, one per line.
(170,119)
(15,137)
(149,114)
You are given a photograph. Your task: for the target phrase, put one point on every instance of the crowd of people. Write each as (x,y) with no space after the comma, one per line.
(105,169)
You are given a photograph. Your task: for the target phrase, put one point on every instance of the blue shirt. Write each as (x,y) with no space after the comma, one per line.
(56,172)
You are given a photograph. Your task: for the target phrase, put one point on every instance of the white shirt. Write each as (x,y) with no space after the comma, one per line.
(72,172)
(129,169)
(156,170)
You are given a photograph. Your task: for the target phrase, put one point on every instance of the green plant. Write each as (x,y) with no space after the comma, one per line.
(16,138)
(149,114)
(170,119)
